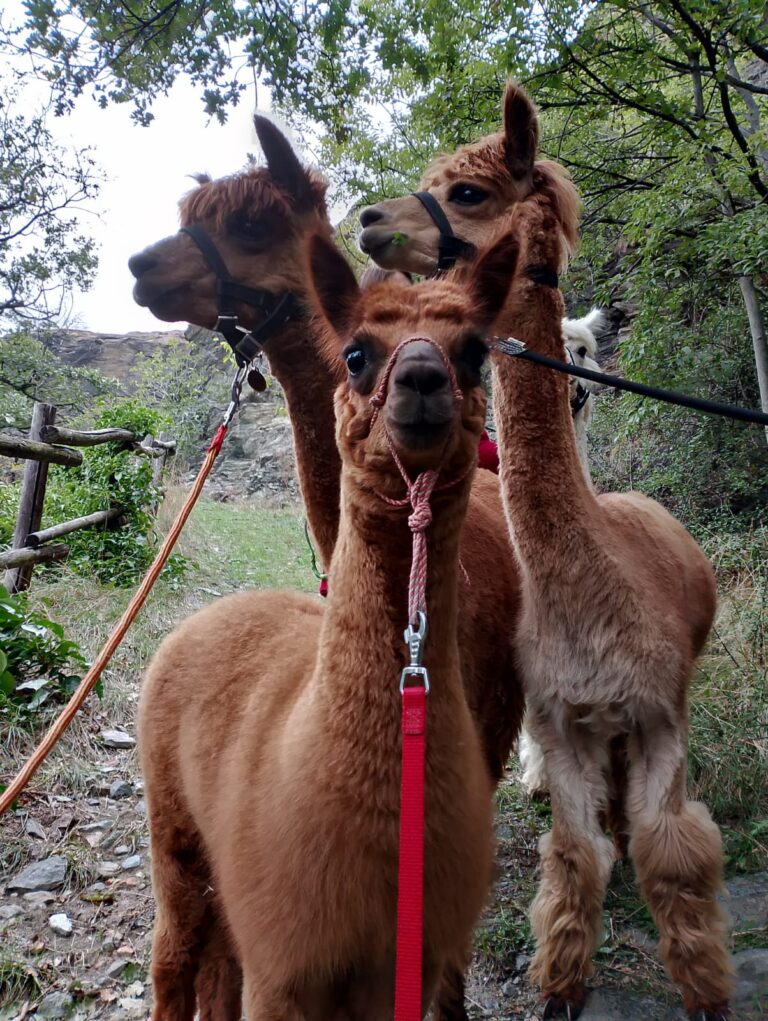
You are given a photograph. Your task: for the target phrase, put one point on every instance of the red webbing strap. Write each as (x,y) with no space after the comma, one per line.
(410,894)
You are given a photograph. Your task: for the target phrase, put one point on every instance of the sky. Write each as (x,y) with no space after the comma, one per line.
(147,172)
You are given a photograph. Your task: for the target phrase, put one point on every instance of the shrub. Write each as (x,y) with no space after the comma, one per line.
(36,661)
(110,476)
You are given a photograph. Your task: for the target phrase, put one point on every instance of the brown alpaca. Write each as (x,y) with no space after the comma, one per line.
(618,600)
(261,221)
(269,723)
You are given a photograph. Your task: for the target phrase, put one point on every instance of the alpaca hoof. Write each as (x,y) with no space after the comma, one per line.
(556,1007)
(720,1014)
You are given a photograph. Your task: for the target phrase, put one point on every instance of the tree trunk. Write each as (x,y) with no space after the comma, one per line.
(759,343)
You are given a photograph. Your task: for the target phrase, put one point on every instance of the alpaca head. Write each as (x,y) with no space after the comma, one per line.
(432,402)
(581,344)
(476,187)
(258,219)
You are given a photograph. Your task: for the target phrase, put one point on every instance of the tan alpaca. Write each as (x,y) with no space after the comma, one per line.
(269,722)
(618,600)
(581,349)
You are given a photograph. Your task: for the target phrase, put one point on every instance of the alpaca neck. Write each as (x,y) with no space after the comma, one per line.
(308,385)
(362,650)
(546,492)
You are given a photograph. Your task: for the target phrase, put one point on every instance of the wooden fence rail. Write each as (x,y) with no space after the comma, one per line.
(39,450)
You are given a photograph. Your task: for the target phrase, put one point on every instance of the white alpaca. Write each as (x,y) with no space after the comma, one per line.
(581,347)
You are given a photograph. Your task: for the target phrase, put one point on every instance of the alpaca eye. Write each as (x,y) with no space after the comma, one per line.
(581,352)
(355,360)
(246,227)
(467,195)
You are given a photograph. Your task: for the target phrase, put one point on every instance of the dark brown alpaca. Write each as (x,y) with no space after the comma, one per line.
(269,723)
(618,600)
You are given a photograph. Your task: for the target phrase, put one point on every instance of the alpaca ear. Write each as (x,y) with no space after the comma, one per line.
(594,320)
(491,277)
(335,287)
(282,162)
(521,131)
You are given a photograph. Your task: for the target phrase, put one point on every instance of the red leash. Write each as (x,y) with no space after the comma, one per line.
(414,688)
(410,895)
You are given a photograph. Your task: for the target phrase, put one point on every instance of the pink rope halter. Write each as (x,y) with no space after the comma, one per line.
(420,490)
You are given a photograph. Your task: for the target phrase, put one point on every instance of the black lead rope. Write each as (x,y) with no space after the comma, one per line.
(516,349)
(278,308)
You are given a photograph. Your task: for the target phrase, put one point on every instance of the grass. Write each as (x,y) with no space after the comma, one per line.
(17,981)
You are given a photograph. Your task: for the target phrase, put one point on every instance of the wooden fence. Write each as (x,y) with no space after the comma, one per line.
(45,445)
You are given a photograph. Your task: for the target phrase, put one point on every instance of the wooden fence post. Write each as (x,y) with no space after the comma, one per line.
(33,485)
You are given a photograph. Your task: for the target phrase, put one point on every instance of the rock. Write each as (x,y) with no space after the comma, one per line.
(116,968)
(120,789)
(132,862)
(33,828)
(132,1007)
(39,899)
(750,1001)
(117,739)
(8,911)
(135,989)
(61,924)
(141,807)
(747,901)
(108,869)
(55,1005)
(521,962)
(122,849)
(48,874)
(617,1005)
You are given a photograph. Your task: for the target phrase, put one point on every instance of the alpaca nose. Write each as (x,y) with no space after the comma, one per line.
(371,215)
(140,263)
(423,375)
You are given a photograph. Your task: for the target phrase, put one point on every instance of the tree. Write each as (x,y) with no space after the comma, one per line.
(43,255)
(659,107)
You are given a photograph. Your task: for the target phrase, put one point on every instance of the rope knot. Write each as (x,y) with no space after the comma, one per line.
(419,493)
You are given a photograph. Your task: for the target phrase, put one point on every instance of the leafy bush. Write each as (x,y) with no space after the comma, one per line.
(110,476)
(190,386)
(36,661)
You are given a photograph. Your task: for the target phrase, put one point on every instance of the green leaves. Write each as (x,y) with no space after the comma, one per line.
(36,661)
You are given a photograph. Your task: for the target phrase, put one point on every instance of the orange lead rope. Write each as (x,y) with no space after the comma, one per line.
(90,680)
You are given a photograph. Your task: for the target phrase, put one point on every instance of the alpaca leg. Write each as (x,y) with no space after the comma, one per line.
(533,765)
(179,880)
(449,1003)
(677,851)
(219,980)
(576,860)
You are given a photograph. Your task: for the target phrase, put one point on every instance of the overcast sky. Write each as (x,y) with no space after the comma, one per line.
(147,172)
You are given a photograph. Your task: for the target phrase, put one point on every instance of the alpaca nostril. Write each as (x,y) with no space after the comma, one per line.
(140,263)
(371,215)
(423,379)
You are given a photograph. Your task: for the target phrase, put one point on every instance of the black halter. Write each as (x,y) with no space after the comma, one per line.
(450,248)
(278,308)
(581,396)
